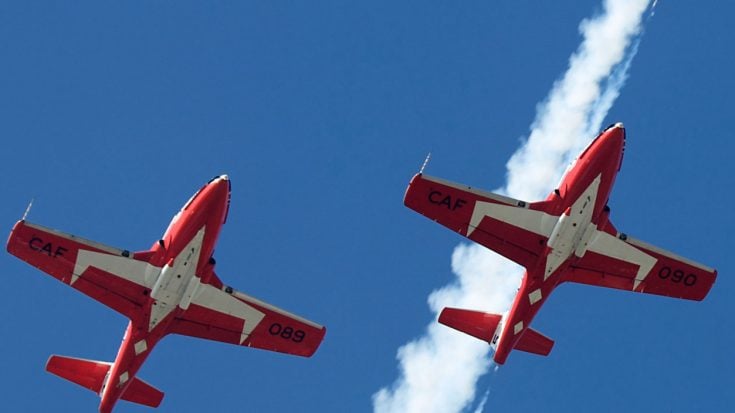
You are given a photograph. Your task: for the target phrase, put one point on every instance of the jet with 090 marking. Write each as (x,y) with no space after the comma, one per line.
(567,237)
(171,288)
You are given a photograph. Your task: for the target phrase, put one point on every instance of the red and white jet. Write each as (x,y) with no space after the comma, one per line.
(171,288)
(567,237)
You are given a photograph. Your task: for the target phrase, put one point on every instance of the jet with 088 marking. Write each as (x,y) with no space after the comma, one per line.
(567,237)
(171,288)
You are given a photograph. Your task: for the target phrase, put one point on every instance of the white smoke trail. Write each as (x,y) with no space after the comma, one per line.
(439,370)
(481,405)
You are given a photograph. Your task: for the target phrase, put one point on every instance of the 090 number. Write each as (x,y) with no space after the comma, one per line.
(677,276)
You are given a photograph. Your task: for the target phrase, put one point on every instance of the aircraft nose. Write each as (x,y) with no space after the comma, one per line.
(616,133)
(612,144)
(223,181)
(218,193)
(223,177)
(220,184)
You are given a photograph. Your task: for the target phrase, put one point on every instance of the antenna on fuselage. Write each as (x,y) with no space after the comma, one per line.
(426,162)
(28,209)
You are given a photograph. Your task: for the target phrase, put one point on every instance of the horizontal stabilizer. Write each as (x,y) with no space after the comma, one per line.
(89,374)
(475,323)
(142,393)
(534,342)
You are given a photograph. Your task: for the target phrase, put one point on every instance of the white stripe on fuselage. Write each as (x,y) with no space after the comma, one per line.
(174,281)
(176,285)
(568,231)
(563,232)
(169,285)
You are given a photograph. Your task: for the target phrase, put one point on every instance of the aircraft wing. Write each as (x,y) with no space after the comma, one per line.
(514,229)
(232,317)
(626,263)
(102,272)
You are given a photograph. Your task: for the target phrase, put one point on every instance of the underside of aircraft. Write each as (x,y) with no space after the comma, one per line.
(566,238)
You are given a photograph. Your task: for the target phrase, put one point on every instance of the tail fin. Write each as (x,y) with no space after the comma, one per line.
(91,375)
(475,323)
(534,342)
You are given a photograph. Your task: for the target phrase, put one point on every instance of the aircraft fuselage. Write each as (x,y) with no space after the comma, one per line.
(580,203)
(179,262)
(566,238)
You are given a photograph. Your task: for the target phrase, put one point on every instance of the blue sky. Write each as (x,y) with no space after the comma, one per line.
(113,114)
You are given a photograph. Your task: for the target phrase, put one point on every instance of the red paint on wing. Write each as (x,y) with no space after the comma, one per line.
(284,334)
